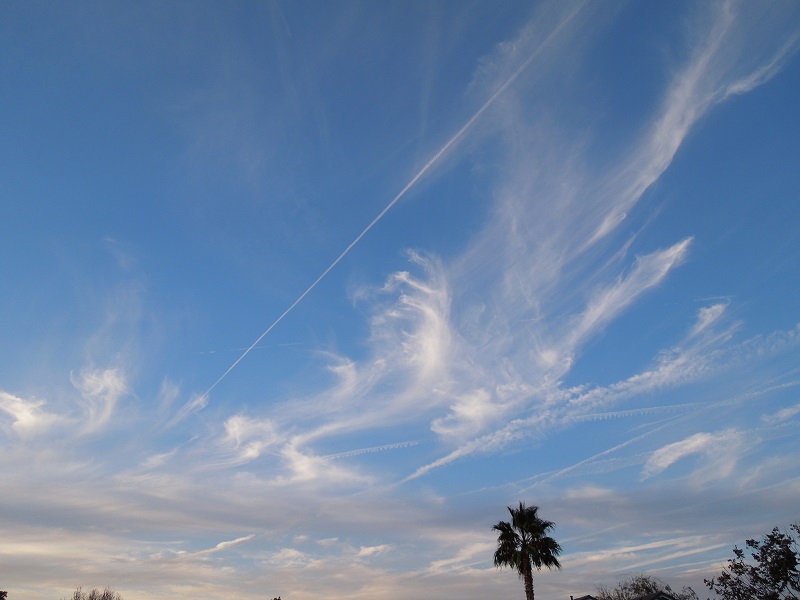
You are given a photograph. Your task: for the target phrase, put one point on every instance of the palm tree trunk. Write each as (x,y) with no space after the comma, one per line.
(528,576)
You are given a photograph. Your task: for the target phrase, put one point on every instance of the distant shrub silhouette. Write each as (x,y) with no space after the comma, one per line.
(95,594)
(639,585)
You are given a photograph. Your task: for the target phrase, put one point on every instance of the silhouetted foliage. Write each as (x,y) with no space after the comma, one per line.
(641,584)
(773,576)
(3,595)
(95,594)
(523,544)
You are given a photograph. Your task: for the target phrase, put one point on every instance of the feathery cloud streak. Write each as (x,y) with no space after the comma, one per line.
(420,174)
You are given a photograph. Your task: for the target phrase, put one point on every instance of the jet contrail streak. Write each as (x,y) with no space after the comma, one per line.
(370,450)
(450,143)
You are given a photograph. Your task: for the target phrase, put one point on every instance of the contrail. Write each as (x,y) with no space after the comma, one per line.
(436,157)
(370,450)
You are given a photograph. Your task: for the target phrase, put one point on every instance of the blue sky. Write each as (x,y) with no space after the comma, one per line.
(299,296)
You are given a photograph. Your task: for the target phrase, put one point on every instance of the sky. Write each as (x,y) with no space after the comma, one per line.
(299,296)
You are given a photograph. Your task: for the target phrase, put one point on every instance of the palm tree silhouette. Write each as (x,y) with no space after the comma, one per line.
(524,544)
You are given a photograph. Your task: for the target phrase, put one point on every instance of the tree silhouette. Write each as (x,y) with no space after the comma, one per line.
(773,575)
(524,544)
(639,585)
(96,594)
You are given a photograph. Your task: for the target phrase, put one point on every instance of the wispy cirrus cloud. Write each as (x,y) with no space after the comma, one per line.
(720,449)
(222,546)
(28,416)
(468,344)
(605,304)
(531,269)
(100,391)
(785,413)
(248,437)
(680,366)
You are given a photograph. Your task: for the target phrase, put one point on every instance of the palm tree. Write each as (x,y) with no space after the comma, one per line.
(524,544)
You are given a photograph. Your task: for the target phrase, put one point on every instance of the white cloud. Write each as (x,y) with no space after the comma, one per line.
(630,558)
(366,551)
(784,414)
(707,316)
(720,449)
(100,391)
(419,320)
(465,557)
(683,365)
(528,332)
(224,545)
(249,437)
(29,417)
(157,460)
(197,403)
(289,558)
(406,374)
(168,393)
(648,271)
(469,413)
(304,467)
